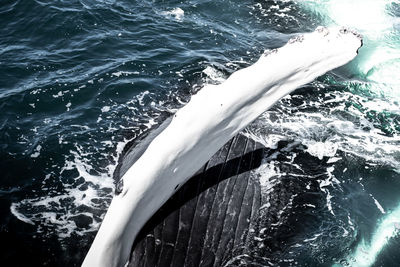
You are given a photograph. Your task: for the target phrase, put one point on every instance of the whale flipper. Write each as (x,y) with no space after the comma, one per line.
(213,116)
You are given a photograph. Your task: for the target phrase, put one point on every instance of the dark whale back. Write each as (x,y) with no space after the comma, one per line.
(135,149)
(223,216)
(208,220)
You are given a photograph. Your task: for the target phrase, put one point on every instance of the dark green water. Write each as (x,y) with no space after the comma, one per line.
(79,79)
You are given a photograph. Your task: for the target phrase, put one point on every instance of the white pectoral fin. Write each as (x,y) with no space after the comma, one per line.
(203,126)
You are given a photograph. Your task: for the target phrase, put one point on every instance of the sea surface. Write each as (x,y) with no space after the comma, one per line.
(80,79)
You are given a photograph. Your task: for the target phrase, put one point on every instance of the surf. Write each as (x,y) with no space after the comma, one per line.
(212,117)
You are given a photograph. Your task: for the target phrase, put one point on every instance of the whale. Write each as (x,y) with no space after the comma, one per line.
(213,116)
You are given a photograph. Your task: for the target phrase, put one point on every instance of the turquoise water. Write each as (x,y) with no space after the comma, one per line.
(79,79)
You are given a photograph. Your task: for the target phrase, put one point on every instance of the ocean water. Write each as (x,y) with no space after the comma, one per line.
(80,79)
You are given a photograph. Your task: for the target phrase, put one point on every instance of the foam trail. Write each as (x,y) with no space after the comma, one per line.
(212,117)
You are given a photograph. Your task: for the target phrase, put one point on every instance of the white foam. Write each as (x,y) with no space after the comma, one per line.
(321,149)
(325,133)
(378,205)
(124,73)
(37,152)
(214,75)
(265,172)
(19,215)
(50,210)
(176,13)
(267,140)
(105,109)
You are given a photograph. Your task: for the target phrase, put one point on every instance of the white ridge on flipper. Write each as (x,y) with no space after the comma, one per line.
(212,117)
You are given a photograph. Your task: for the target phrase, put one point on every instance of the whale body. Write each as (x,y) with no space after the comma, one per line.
(212,117)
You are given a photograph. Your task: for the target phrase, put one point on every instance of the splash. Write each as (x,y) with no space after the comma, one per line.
(366,252)
(176,13)
(70,211)
(379,59)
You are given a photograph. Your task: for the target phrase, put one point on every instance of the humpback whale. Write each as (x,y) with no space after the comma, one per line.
(212,117)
